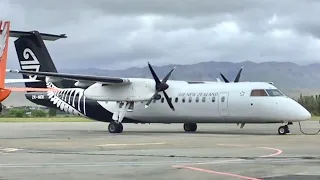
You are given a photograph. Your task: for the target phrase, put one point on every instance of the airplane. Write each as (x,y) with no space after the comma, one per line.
(34,42)
(142,100)
(6,91)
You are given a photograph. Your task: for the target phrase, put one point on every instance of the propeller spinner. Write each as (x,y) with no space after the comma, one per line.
(235,80)
(160,86)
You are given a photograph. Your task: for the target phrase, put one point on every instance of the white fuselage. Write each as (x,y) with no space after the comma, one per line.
(210,102)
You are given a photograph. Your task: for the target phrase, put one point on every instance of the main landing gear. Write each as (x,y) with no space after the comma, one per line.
(190,127)
(116,126)
(282,130)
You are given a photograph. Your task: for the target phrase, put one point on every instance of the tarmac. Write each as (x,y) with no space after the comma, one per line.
(87,150)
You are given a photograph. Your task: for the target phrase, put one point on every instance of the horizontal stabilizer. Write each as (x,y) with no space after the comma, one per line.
(44,36)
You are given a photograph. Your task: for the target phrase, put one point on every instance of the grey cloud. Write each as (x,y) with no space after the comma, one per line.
(136,7)
(119,34)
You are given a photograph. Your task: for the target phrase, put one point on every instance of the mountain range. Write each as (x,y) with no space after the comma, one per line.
(290,78)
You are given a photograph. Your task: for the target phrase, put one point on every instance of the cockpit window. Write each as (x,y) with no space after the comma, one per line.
(258,92)
(274,92)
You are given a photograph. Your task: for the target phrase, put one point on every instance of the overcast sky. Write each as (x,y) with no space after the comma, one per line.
(116,34)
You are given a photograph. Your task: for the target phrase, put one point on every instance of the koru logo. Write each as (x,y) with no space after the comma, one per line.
(30,63)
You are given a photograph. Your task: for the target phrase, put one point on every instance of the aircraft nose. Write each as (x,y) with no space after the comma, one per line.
(301,113)
(294,111)
(304,114)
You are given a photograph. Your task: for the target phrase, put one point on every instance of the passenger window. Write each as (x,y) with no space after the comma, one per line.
(203,99)
(197,99)
(162,99)
(222,99)
(183,99)
(176,100)
(190,99)
(258,92)
(213,99)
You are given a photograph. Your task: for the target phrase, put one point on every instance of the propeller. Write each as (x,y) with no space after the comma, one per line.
(235,80)
(160,86)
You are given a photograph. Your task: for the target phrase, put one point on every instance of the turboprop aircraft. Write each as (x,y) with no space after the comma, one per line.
(142,100)
(6,91)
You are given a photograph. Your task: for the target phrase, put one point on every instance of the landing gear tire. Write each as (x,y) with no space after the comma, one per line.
(190,127)
(283,130)
(115,127)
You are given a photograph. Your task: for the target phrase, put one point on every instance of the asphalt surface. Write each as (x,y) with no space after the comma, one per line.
(40,151)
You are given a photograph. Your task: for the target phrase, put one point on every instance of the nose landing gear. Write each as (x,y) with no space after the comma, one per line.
(284,130)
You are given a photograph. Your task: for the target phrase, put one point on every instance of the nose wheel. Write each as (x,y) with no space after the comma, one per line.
(283,130)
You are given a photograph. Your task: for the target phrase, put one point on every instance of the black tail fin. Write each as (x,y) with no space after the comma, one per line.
(34,56)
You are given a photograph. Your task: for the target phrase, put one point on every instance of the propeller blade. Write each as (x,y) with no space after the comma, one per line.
(155,77)
(165,79)
(168,100)
(238,75)
(148,103)
(224,78)
(160,86)
(150,100)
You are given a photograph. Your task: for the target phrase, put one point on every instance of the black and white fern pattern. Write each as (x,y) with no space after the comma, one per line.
(71,100)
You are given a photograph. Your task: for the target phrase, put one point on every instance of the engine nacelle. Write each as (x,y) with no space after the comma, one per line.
(53,79)
(137,90)
(83,84)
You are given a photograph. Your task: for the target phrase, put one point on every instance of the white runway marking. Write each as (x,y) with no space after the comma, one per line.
(212,162)
(8,150)
(134,144)
(278,152)
(234,145)
(93,164)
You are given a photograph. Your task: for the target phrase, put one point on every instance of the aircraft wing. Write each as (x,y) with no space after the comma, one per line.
(76,77)
(7,81)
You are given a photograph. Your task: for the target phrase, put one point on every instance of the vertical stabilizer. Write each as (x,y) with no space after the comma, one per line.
(33,56)
(4,39)
(4,42)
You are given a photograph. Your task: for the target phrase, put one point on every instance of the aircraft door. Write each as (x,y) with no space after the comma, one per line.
(223,104)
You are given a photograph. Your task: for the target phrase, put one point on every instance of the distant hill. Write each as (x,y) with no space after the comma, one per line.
(291,78)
